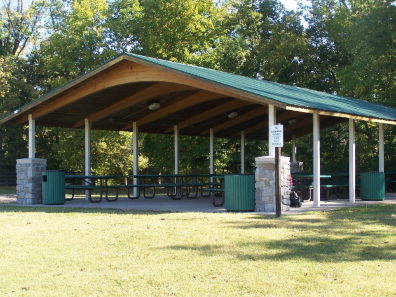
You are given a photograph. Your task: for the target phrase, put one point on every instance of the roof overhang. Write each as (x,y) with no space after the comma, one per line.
(116,94)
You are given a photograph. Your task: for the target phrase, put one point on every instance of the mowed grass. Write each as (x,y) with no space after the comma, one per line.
(99,252)
(7,190)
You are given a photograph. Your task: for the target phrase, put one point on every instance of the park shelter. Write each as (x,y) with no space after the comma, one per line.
(143,94)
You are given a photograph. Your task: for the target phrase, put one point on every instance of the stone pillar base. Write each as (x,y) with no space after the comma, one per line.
(265,184)
(29,180)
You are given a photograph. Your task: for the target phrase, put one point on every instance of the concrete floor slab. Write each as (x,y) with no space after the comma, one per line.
(200,204)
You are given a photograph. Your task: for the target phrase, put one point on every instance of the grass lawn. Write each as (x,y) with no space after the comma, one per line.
(7,190)
(99,252)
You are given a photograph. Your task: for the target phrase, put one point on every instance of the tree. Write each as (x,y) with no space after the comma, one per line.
(18,31)
(177,30)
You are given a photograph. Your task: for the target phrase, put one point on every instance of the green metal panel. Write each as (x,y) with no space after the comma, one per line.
(239,192)
(288,95)
(53,182)
(372,186)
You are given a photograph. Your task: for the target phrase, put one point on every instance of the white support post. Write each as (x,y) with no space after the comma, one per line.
(87,154)
(135,143)
(242,152)
(294,149)
(271,121)
(32,134)
(176,151)
(352,161)
(316,160)
(211,148)
(381,150)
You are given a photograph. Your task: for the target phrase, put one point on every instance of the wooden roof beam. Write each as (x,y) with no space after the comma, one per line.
(194,99)
(146,94)
(300,124)
(264,124)
(233,104)
(324,123)
(239,119)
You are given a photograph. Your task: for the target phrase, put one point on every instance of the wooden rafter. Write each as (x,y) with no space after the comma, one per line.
(325,122)
(264,124)
(194,99)
(146,94)
(240,119)
(233,104)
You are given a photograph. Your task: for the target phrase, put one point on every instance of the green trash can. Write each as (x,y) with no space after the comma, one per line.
(372,186)
(53,184)
(239,192)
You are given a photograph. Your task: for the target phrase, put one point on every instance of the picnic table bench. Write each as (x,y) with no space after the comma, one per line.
(216,188)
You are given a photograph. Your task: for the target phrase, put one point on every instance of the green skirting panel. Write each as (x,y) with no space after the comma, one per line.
(53,187)
(239,192)
(372,186)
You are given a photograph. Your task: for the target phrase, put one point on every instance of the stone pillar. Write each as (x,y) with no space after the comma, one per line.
(29,180)
(296,167)
(265,184)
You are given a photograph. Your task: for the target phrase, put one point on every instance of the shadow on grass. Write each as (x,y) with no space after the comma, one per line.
(15,208)
(354,234)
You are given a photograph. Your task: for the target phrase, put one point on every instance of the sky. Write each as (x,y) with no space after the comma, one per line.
(291,4)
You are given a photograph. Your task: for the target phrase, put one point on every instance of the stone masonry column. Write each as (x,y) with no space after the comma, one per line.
(265,184)
(29,180)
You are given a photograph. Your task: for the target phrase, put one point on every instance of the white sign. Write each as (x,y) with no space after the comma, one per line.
(276,136)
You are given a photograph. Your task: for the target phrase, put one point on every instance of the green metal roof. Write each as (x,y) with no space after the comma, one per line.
(288,95)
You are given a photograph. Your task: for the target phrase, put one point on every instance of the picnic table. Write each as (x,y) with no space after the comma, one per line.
(304,181)
(333,180)
(182,185)
(90,184)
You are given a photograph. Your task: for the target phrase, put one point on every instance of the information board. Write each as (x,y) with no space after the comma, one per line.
(276,136)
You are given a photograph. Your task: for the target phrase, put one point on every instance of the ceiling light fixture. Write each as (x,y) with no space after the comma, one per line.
(154,105)
(232,114)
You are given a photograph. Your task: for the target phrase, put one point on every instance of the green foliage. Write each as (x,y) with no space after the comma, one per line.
(111,152)
(159,149)
(346,48)
(177,30)
(77,43)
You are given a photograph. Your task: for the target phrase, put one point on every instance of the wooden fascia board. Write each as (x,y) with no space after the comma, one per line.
(239,119)
(23,111)
(146,94)
(194,99)
(234,104)
(341,115)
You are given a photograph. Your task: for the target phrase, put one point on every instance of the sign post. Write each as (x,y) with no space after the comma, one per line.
(276,140)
